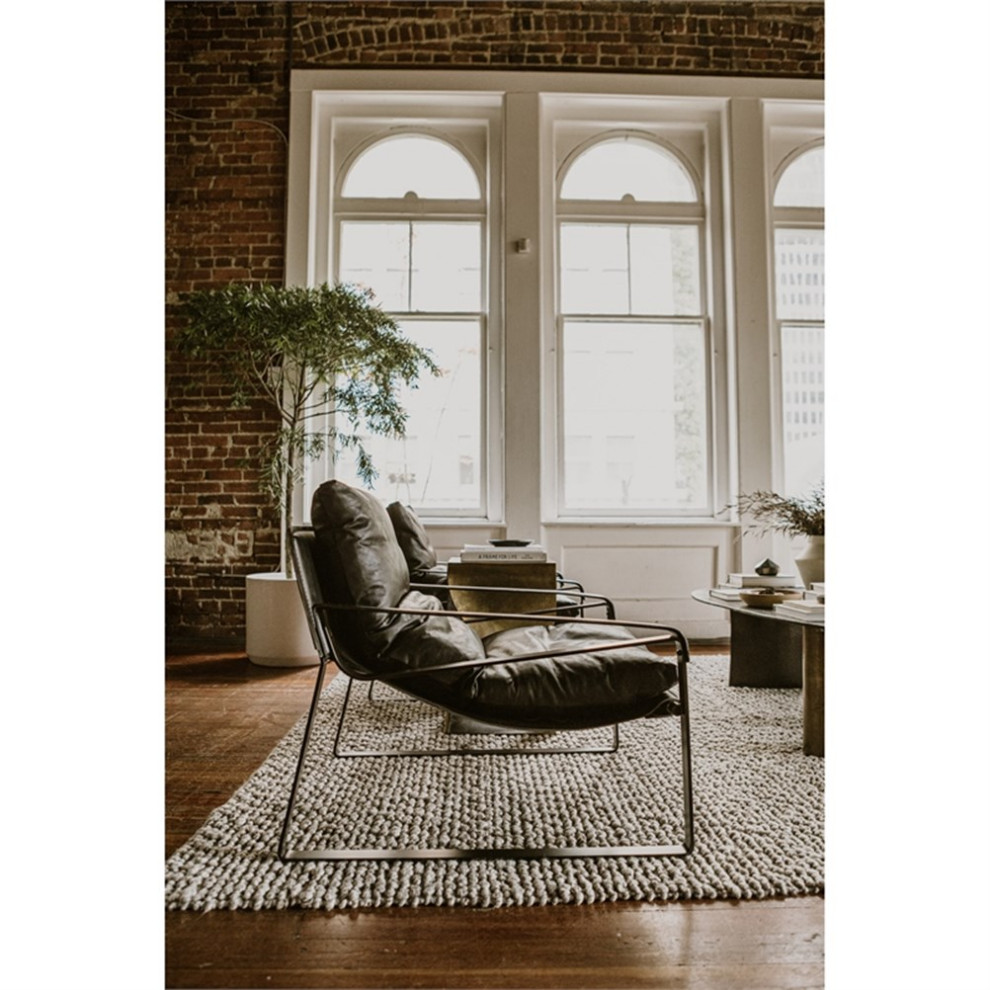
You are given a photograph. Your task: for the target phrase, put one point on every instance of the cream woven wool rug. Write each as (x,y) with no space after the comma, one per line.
(759,811)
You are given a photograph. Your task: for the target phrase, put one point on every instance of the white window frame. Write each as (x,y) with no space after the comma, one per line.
(791,130)
(690,131)
(692,214)
(343,125)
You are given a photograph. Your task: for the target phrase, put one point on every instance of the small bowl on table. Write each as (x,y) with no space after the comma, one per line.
(761,597)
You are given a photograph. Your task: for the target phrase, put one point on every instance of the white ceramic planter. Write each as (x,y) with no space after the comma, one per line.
(811,561)
(277,631)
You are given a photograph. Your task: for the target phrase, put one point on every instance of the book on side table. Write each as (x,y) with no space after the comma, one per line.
(763,581)
(803,608)
(485,553)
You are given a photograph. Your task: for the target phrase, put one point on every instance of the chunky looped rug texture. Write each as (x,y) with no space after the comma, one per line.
(759,811)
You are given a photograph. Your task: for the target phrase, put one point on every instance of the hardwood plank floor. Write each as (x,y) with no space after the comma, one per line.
(223,717)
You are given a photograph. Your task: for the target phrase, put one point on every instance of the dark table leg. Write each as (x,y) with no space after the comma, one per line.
(814,691)
(764,652)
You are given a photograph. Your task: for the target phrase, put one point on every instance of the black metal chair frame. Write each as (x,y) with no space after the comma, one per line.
(318,614)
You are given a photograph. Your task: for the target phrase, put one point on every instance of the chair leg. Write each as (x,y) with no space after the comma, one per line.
(283,854)
(685,720)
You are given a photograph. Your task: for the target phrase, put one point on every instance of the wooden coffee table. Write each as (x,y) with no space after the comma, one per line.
(773,649)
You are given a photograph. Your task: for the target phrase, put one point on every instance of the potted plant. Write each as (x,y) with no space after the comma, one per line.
(795,516)
(330,363)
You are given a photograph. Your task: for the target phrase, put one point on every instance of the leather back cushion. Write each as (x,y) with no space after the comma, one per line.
(365,565)
(359,562)
(412,537)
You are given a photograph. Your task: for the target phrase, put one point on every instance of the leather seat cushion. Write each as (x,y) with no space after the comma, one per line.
(583,690)
(553,693)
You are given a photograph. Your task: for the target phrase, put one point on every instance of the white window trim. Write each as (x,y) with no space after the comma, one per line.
(792,129)
(691,130)
(312,260)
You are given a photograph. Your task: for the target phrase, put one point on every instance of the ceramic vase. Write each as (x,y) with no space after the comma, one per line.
(811,560)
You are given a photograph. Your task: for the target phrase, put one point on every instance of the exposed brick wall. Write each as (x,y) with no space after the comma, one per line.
(225,142)
(779,39)
(225,166)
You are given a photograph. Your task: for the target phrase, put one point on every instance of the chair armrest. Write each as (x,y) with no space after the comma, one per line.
(664,634)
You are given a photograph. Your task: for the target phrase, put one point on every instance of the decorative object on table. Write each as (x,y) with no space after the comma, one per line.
(795,516)
(760,597)
(767,568)
(305,353)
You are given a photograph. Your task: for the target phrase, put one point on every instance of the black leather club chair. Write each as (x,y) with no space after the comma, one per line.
(555,673)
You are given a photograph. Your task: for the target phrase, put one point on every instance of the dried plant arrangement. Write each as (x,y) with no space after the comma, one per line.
(793,515)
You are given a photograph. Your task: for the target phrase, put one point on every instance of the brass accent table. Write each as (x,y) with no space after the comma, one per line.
(474,587)
(772,649)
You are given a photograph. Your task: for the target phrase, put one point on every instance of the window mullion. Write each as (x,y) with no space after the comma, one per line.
(409,268)
(629,292)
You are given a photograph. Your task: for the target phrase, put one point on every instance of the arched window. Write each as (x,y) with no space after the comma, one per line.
(411,226)
(799,307)
(419,164)
(628,169)
(633,433)
(802,182)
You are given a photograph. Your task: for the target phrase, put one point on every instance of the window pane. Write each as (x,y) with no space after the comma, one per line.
(426,166)
(414,266)
(438,465)
(446,267)
(800,274)
(629,269)
(803,380)
(803,181)
(635,417)
(664,274)
(376,256)
(627,167)
(594,268)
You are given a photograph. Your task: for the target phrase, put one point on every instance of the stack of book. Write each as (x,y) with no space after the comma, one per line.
(729,590)
(485,553)
(802,608)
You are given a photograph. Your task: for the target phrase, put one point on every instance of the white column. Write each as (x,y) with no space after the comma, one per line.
(751,276)
(523,235)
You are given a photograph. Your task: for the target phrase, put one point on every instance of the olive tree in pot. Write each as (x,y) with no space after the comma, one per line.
(331,364)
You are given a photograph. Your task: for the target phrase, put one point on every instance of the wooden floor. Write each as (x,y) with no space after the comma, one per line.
(223,717)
